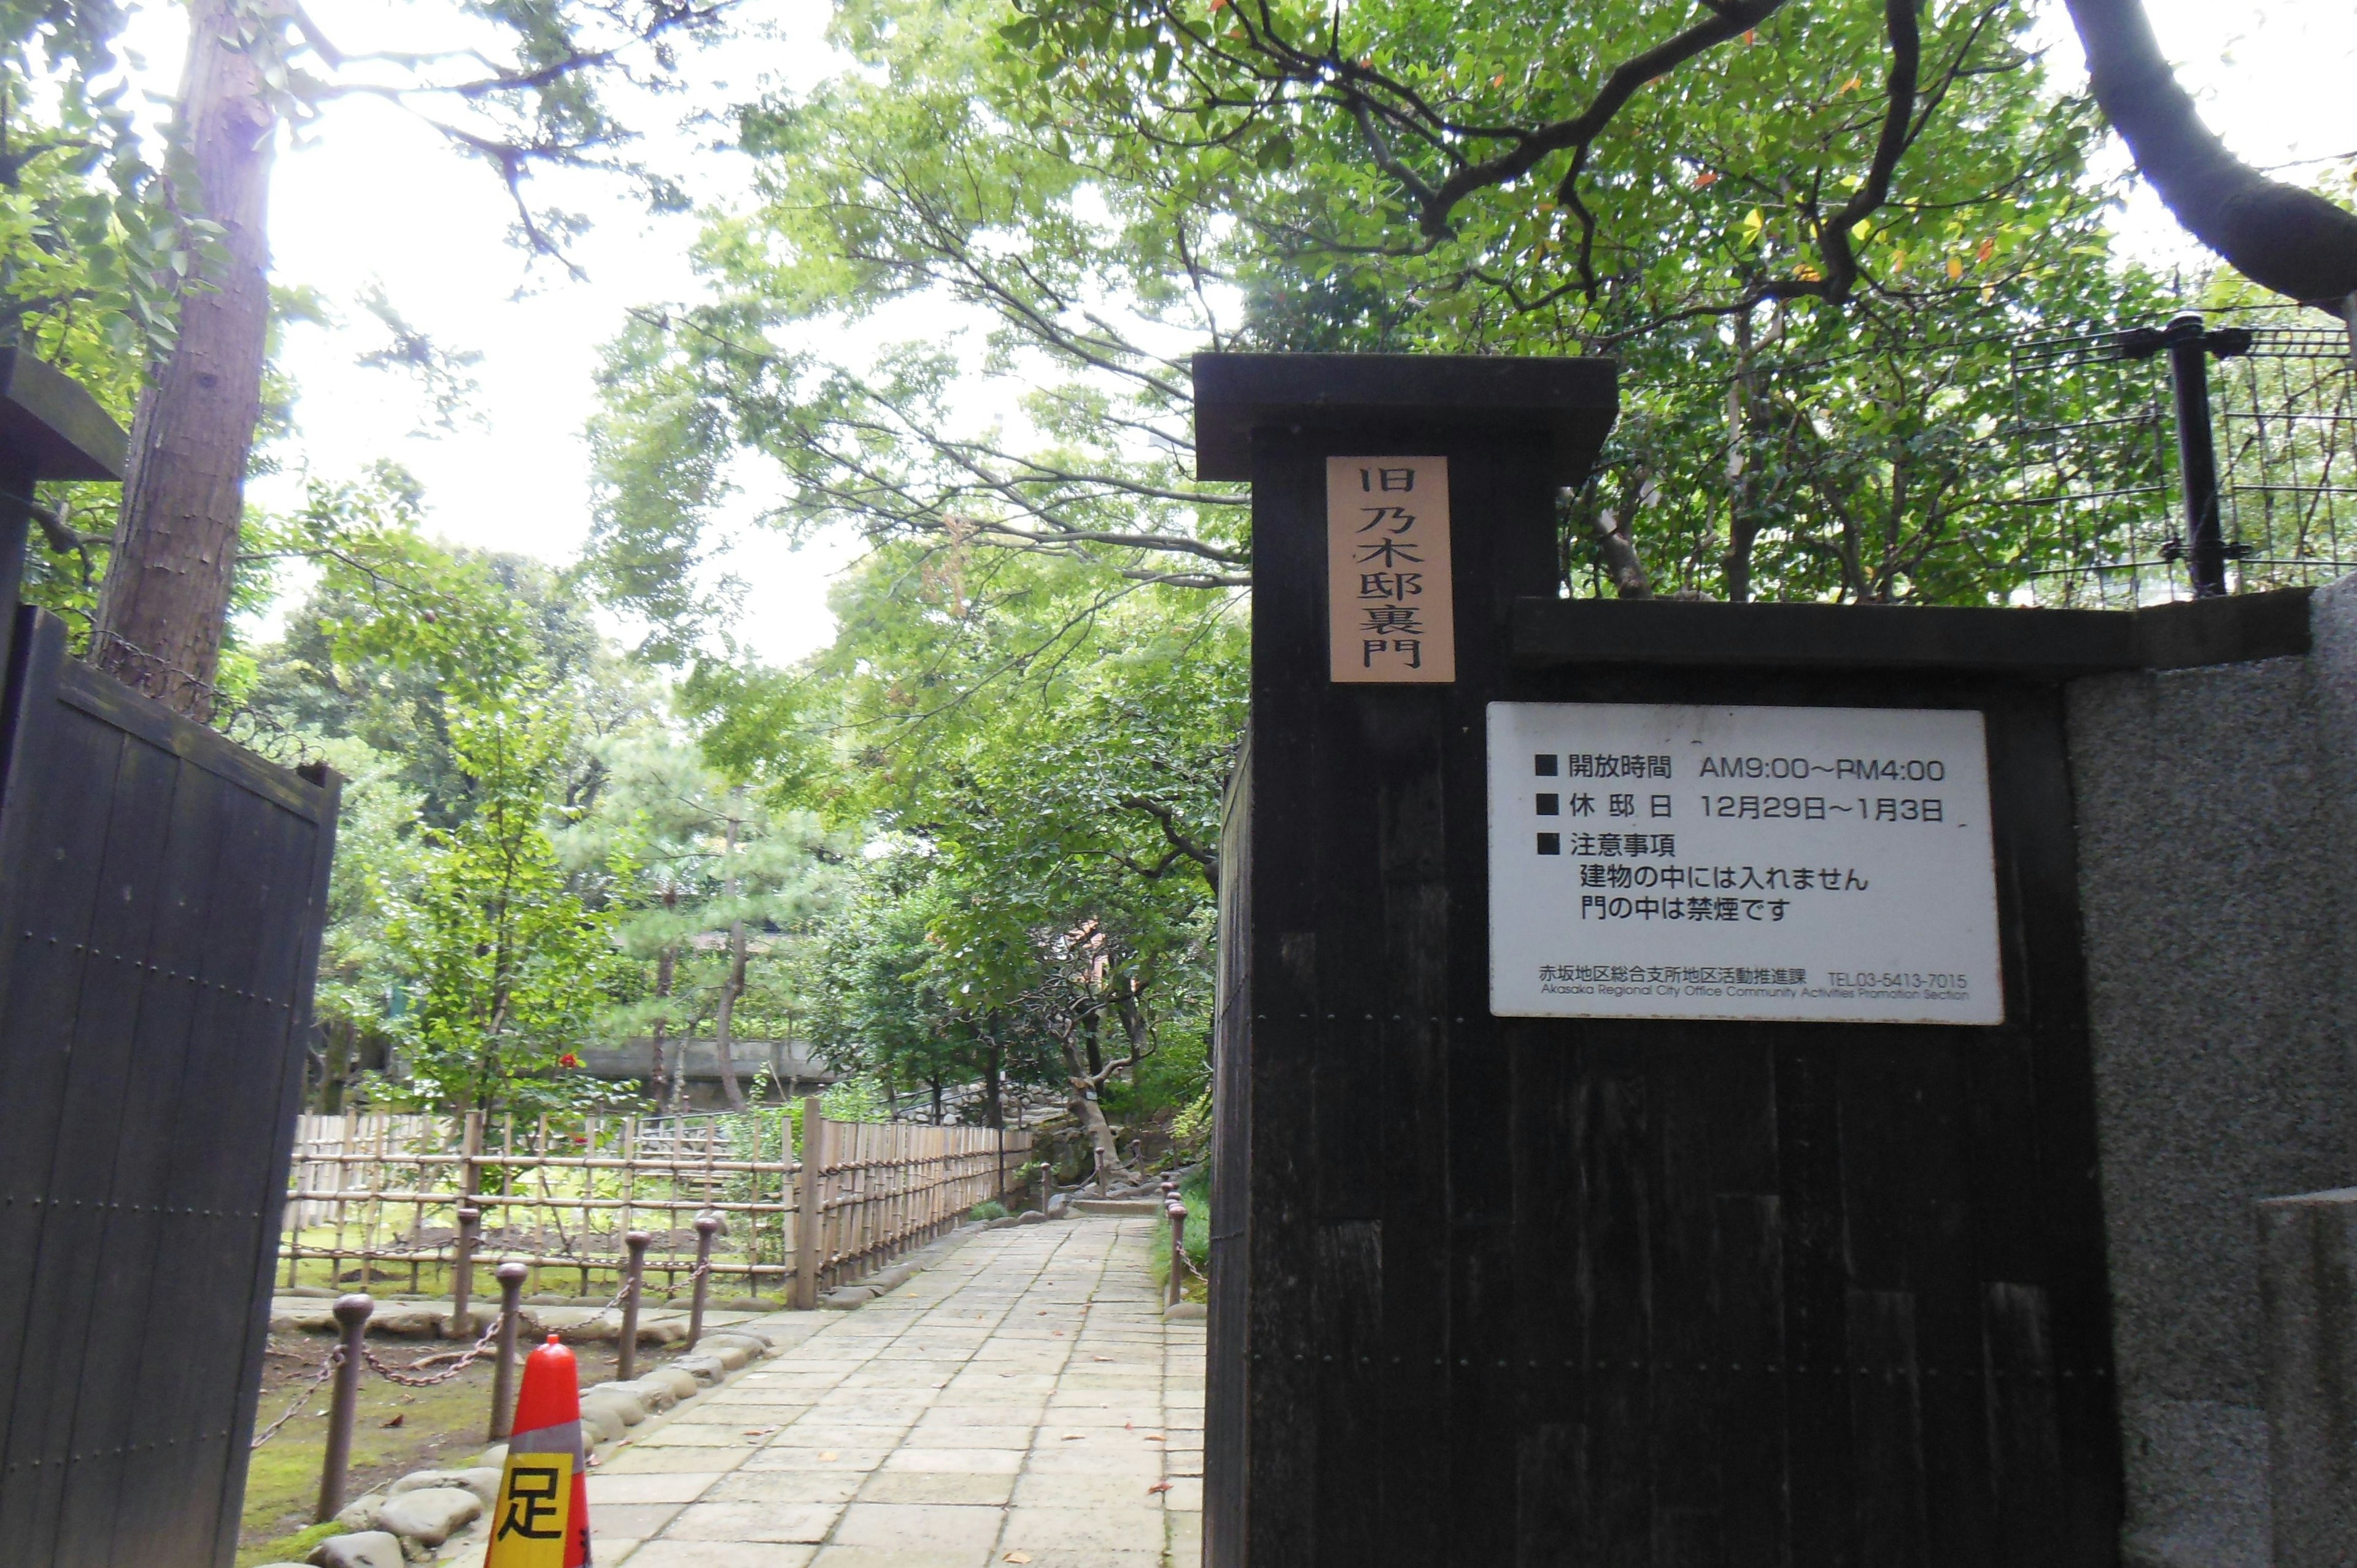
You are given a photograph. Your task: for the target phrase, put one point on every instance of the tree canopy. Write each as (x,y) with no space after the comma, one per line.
(969,850)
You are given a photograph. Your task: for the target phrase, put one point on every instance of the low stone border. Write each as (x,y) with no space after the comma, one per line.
(426,1512)
(431,1320)
(415,1517)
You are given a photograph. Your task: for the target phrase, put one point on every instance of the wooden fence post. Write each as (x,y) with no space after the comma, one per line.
(806,1226)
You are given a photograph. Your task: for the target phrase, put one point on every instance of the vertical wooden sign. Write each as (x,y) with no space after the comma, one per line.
(1391,611)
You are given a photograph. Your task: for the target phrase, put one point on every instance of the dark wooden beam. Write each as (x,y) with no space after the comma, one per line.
(1552,633)
(1569,404)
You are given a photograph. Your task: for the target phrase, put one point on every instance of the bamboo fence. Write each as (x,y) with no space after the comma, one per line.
(373,1199)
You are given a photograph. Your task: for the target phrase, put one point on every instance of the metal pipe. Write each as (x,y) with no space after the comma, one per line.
(462,1274)
(512,1278)
(2188,345)
(706,1224)
(626,1364)
(351,1316)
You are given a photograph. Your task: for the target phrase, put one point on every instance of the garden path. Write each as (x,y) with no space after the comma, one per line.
(1020,1401)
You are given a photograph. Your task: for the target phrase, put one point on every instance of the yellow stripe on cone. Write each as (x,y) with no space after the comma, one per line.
(535,1505)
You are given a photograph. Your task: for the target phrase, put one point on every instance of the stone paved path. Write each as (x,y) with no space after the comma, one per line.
(1021,1401)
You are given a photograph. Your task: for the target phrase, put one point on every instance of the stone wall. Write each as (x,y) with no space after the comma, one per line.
(2218,874)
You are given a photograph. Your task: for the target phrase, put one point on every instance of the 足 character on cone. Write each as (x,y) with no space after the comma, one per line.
(541,1518)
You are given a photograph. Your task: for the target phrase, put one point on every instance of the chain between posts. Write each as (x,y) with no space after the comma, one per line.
(328,1365)
(409,1377)
(405,1376)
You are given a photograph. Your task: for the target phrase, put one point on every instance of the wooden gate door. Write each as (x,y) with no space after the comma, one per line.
(162,892)
(1556,1290)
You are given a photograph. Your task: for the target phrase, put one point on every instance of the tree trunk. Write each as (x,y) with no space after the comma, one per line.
(666,983)
(1091,1116)
(1742,510)
(936,1082)
(342,1037)
(1616,541)
(657,1084)
(726,1016)
(2279,236)
(993,1112)
(166,598)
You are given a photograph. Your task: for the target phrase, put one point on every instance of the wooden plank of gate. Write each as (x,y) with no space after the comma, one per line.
(1748,1272)
(230,1104)
(113,1415)
(2049,1131)
(1692,1392)
(153,1523)
(1816,1344)
(1919,1162)
(1619,1171)
(121,863)
(1882,1381)
(49,844)
(295,876)
(119,707)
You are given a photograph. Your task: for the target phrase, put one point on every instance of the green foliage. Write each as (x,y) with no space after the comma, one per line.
(510,963)
(989,1210)
(854,1099)
(1816,385)
(1043,754)
(662,812)
(93,247)
(452,691)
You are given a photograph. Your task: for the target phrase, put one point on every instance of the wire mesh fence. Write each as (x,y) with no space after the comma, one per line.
(1964,461)
(2096,451)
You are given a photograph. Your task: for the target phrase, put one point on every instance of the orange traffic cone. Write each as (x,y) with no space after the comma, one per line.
(542,1518)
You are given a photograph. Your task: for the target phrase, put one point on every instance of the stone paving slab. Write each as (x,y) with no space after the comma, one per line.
(1022,1396)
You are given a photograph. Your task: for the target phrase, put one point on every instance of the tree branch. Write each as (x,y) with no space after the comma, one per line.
(2279,236)
(1182,843)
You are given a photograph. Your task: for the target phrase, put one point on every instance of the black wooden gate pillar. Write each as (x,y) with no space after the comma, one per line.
(1546,1290)
(1362,1085)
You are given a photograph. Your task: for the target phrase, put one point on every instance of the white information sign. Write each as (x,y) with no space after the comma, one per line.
(1671,861)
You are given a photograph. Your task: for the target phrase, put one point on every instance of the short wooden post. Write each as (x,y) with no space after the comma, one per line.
(512,1278)
(706,1224)
(1176,1211)
(351,1316)
(462,1276)
(626,1363)
(806,1224)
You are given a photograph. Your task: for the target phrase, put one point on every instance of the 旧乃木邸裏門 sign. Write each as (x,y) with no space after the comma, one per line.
(1667,861)
(1391,606)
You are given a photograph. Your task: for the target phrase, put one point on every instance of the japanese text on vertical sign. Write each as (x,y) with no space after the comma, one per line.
(1391,611)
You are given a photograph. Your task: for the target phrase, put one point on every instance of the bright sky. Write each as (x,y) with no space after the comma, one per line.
(376,199)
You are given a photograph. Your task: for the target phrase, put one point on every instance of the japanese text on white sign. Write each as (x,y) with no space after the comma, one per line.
(1677,862)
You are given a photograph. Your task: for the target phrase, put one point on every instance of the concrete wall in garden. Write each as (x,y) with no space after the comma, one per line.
(2218,873)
